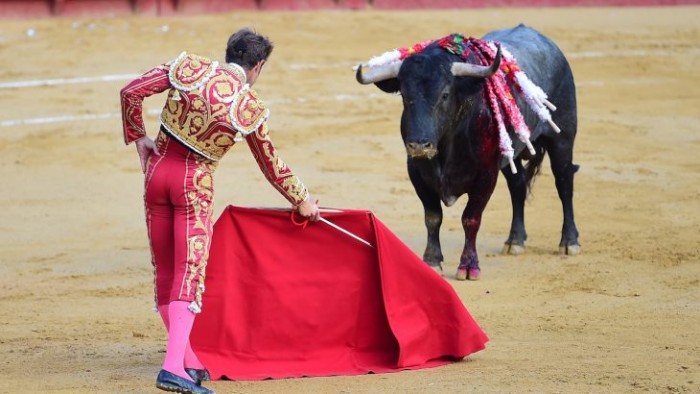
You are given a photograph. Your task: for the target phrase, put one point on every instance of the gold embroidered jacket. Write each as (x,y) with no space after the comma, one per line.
(208,105)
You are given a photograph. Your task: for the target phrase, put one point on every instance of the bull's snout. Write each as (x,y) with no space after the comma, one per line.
(418,150)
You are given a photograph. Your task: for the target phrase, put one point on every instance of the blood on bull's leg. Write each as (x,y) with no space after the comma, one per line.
(469,260)
(471,221)
(480,195)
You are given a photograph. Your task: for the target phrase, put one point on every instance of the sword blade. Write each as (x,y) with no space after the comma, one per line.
(346,232)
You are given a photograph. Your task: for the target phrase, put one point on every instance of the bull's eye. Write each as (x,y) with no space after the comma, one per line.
(445,96)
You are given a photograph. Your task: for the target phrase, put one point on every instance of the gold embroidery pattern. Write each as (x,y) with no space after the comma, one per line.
(161,142)
(263,133)
(295,188)
(201,118)
(248,112)
(276,169)
(132,113)
(190,72)
(200,196)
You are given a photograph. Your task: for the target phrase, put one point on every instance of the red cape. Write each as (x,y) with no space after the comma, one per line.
(286,301)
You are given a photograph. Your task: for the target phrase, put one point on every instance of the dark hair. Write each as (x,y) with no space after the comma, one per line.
(246,48)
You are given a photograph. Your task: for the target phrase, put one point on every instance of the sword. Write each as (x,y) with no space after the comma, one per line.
(346,232)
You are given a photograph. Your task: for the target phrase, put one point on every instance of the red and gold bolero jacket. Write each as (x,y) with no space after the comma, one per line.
(208,105)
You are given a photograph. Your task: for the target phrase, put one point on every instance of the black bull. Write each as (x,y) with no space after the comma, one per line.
(452,147)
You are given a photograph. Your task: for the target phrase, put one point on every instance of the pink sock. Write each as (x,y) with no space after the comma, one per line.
(191,360)
(180,326)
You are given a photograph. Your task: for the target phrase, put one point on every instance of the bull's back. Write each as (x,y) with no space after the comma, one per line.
(536,54)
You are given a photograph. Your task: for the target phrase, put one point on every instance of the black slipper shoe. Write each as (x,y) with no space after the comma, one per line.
(168,381)
(198,375)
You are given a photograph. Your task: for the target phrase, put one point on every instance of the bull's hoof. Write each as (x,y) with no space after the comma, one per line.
(471,274)
(513,249)
(461,274)
(570,250)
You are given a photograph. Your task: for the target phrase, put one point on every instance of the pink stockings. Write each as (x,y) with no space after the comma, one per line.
(178,322)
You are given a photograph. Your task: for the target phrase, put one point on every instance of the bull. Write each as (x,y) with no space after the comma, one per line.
(447,129)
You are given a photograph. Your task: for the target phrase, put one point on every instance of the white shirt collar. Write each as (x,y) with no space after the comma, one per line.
(239,68)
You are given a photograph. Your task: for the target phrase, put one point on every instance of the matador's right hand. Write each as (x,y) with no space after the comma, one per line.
(145,148)
(309,209)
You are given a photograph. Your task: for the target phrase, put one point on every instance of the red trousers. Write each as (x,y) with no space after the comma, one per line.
(178,198)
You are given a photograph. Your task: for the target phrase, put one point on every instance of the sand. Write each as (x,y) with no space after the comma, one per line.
(75,274)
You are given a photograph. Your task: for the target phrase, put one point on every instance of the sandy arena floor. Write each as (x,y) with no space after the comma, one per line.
(75,276)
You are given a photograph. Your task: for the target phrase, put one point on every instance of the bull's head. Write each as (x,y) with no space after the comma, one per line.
(435,96)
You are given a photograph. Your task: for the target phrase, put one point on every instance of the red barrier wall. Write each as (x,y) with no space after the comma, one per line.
(213,6)
(352,4)
(24,8)
(296,5)
(46,8)
(88,7)
(442,4)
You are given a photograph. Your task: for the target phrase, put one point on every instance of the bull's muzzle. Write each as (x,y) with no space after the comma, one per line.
(421,150)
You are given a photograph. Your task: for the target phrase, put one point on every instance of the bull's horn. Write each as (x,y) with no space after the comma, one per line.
(377,74)
(472,70)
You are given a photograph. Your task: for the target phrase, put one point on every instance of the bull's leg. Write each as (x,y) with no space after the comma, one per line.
(517,185)
(432,209)
(560,156)
(471,221)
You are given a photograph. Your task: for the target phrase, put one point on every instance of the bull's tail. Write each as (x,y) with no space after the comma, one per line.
(533,167)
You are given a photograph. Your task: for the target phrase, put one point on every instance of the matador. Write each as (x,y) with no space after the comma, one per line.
(209,107)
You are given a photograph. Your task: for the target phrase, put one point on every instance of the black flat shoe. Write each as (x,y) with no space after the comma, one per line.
(168,381)
(198,375)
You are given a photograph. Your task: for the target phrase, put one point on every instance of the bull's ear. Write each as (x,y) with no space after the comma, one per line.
(390,85)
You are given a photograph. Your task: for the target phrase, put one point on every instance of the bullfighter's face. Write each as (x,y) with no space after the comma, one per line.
(253,74)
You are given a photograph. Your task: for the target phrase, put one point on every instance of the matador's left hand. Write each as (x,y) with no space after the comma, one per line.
(145,148)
